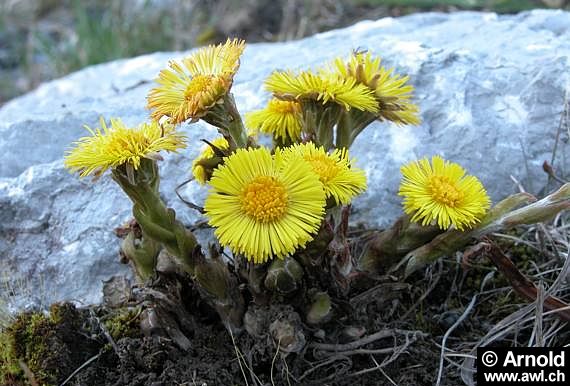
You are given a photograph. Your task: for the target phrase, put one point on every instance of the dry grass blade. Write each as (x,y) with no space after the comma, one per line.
(28,373)
(240,358)
(521,284)
(537,332)
(342,365)
(456,324)
(563,124)
(84,365)
(531,324)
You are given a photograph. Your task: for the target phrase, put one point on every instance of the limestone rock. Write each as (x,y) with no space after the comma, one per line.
(490,89)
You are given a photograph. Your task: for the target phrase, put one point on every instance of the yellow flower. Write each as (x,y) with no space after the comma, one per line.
(341,180)
(188,90)
(261,208)
(442,193)
(391,90)
(325,87)
(200,173)
(109,147)
(282,119)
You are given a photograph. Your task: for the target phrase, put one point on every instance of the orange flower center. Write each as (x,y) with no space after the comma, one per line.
(444,191)
(324,166)
(283,107)
(198,84)
(264,199)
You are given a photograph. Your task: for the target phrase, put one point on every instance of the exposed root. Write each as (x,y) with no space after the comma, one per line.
(337,357)
(340,348)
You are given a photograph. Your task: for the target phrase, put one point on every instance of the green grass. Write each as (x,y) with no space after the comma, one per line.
(106,32)
(97,31)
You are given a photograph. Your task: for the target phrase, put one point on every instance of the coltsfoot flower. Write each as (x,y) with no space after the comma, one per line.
(110,147)
(325,87)
(188,90)
(341,180)
(391,90)
(441,193)
(198,170)
(282,119)
(262,208)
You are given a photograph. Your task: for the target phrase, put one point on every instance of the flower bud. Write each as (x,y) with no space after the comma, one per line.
(320,309)
(284,275)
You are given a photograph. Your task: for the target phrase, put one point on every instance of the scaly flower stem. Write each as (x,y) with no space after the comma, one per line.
(350,125)
(159,223)
(319,121)
(155,219)
(387,247)
(343,131)
(142,256)
(326,120)
(225,116)
(235,127)
(221,288)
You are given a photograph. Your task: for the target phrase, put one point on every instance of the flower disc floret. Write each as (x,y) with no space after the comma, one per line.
(262,208)
(441,193)
(188,90)
(281,118)
(264,199)
(325,166)
(110,147)
(340,178)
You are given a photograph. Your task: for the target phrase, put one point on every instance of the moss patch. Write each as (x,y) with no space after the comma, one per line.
(123,324)
(50,346)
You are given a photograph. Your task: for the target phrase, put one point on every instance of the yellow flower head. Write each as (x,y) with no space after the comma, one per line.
(282,119)
(198,170)
(188,90)
(341,180)
(442,193)
(324,87)
(261,208)
(391,90)
(109,147)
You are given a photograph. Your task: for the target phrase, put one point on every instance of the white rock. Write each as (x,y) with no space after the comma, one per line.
(490,88)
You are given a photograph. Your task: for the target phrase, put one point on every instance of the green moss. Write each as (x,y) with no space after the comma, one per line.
(125,323)
(44,343)
(523,255)
(26,340)
(10,371)
(53,345)
(29,338)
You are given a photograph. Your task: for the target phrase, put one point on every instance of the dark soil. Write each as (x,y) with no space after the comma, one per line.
(104,346)
(212,359)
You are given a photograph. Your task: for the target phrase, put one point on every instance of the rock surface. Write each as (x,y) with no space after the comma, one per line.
(490,88)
